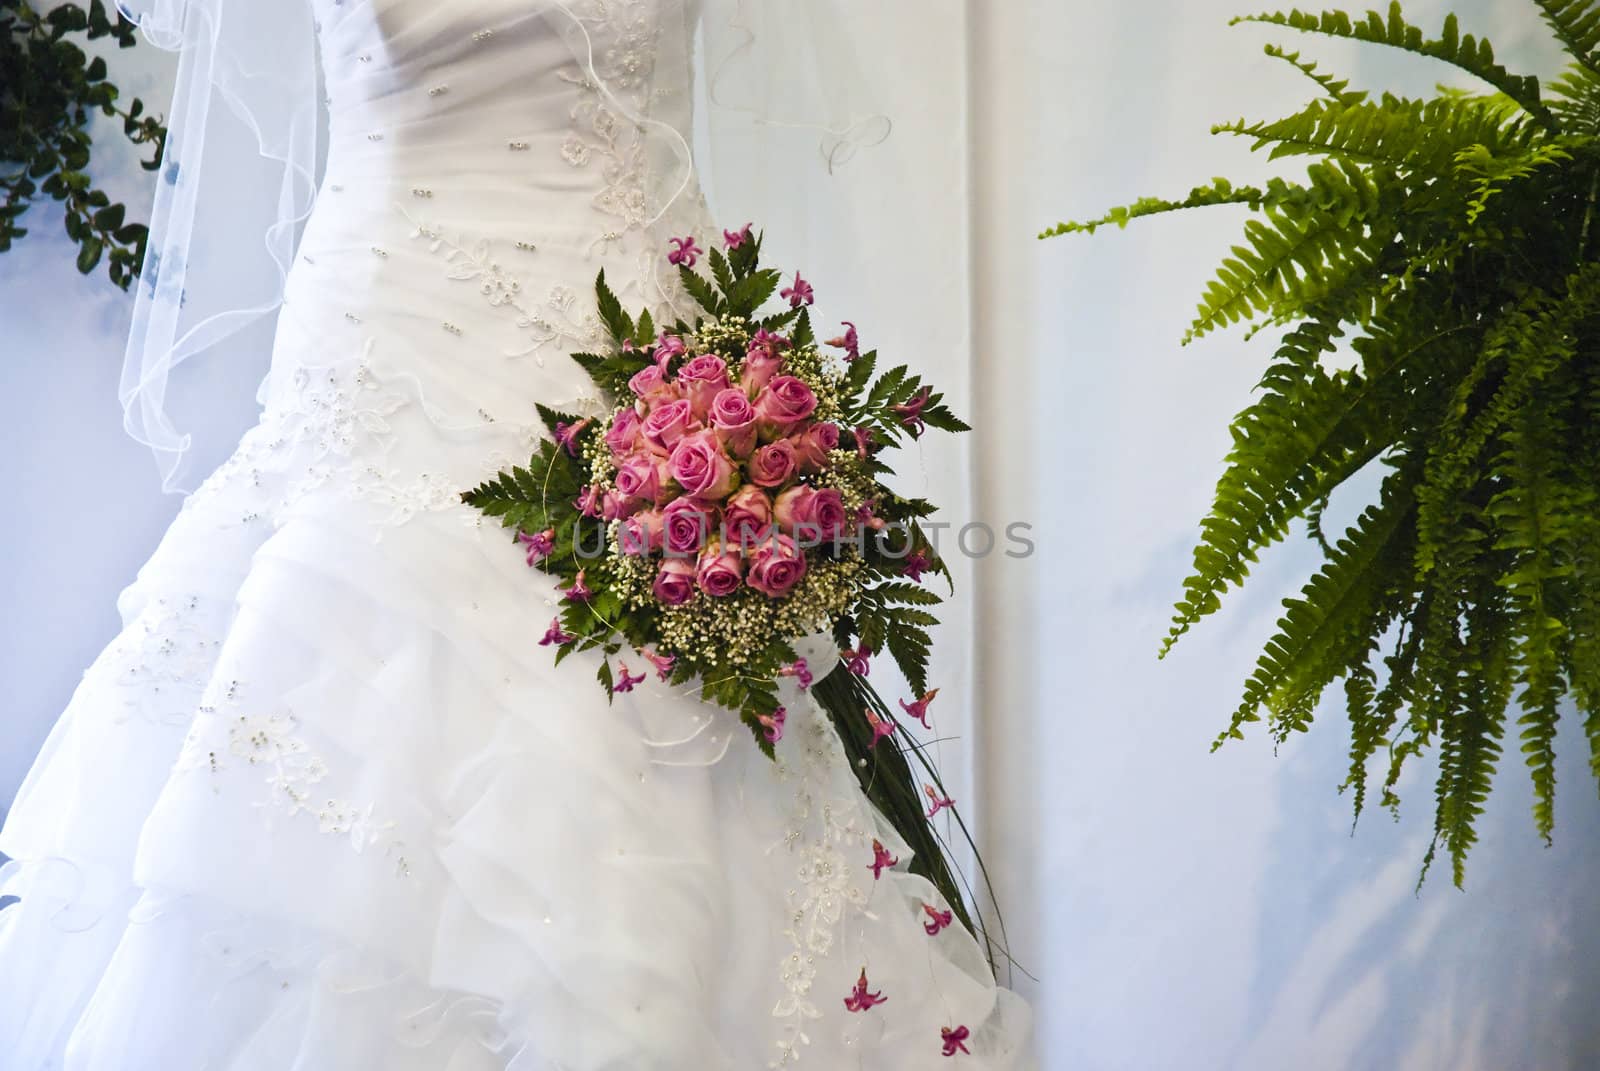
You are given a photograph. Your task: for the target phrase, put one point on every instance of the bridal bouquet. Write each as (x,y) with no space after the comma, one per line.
(727,501)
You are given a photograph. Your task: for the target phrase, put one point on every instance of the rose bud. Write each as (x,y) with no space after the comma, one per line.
(761,363)
(718,572)
(776,567)
(782,405)
(734,420)
(674,584)
(699,466)
(772,465)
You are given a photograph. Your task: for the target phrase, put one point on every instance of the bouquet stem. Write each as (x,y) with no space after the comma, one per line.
(887,780)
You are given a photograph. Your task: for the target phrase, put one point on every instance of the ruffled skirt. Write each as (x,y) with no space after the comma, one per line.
(327,804)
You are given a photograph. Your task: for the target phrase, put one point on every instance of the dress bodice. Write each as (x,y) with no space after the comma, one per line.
(485,160)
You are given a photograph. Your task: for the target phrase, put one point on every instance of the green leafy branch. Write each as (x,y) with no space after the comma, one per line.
(1449,243)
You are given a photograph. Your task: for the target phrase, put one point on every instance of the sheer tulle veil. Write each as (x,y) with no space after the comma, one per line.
(785,107)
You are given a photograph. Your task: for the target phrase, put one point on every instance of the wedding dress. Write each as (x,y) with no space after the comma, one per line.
(325,804)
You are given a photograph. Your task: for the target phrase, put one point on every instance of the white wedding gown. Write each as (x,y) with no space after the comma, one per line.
(325,804)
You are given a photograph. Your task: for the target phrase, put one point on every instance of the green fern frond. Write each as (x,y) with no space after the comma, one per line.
(1338,89)
(1576,24)
(1468,53)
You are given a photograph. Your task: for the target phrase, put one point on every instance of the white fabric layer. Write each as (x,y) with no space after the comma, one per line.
(326,803)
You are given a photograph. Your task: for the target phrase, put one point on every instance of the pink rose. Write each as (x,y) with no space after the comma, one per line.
(667,424)
(776,567)
(641,533)
(734,419)
(701,468)
(719,572)
(700,379)
(650,383)
(772,465)
(811,514)
(760,365)
(812,445)
(782,405)
(623,434)
(747,518)
(616,505)
(685,525)
(674,584)
(639,478)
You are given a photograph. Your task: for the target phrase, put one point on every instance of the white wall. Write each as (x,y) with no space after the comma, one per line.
(1182,910)
(1189,910)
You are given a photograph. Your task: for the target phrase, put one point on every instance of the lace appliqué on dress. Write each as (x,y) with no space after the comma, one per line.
(560,318)
(824,834)
(160,661)
(292,771)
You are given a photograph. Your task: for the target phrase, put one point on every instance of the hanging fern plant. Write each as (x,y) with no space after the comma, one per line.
(1451,242)
(49,88)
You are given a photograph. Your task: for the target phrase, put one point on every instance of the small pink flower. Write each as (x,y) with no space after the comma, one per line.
(939,802)
(539,545)
(589,502)
(663,663)
(937,920)
(911,412)
(567,435)
(881,727)
(579,591)
(747,517)
(856,660)
(773,724)
(766,343)
(734,239)
(919,709)
(881,859)
(800,293)
(954,1038)
(666,348)
(859,999)
(627,682)
(554,635)
(850,342)
(684,252)
(674,584)
(863,436)
(916,564)
(799,671)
